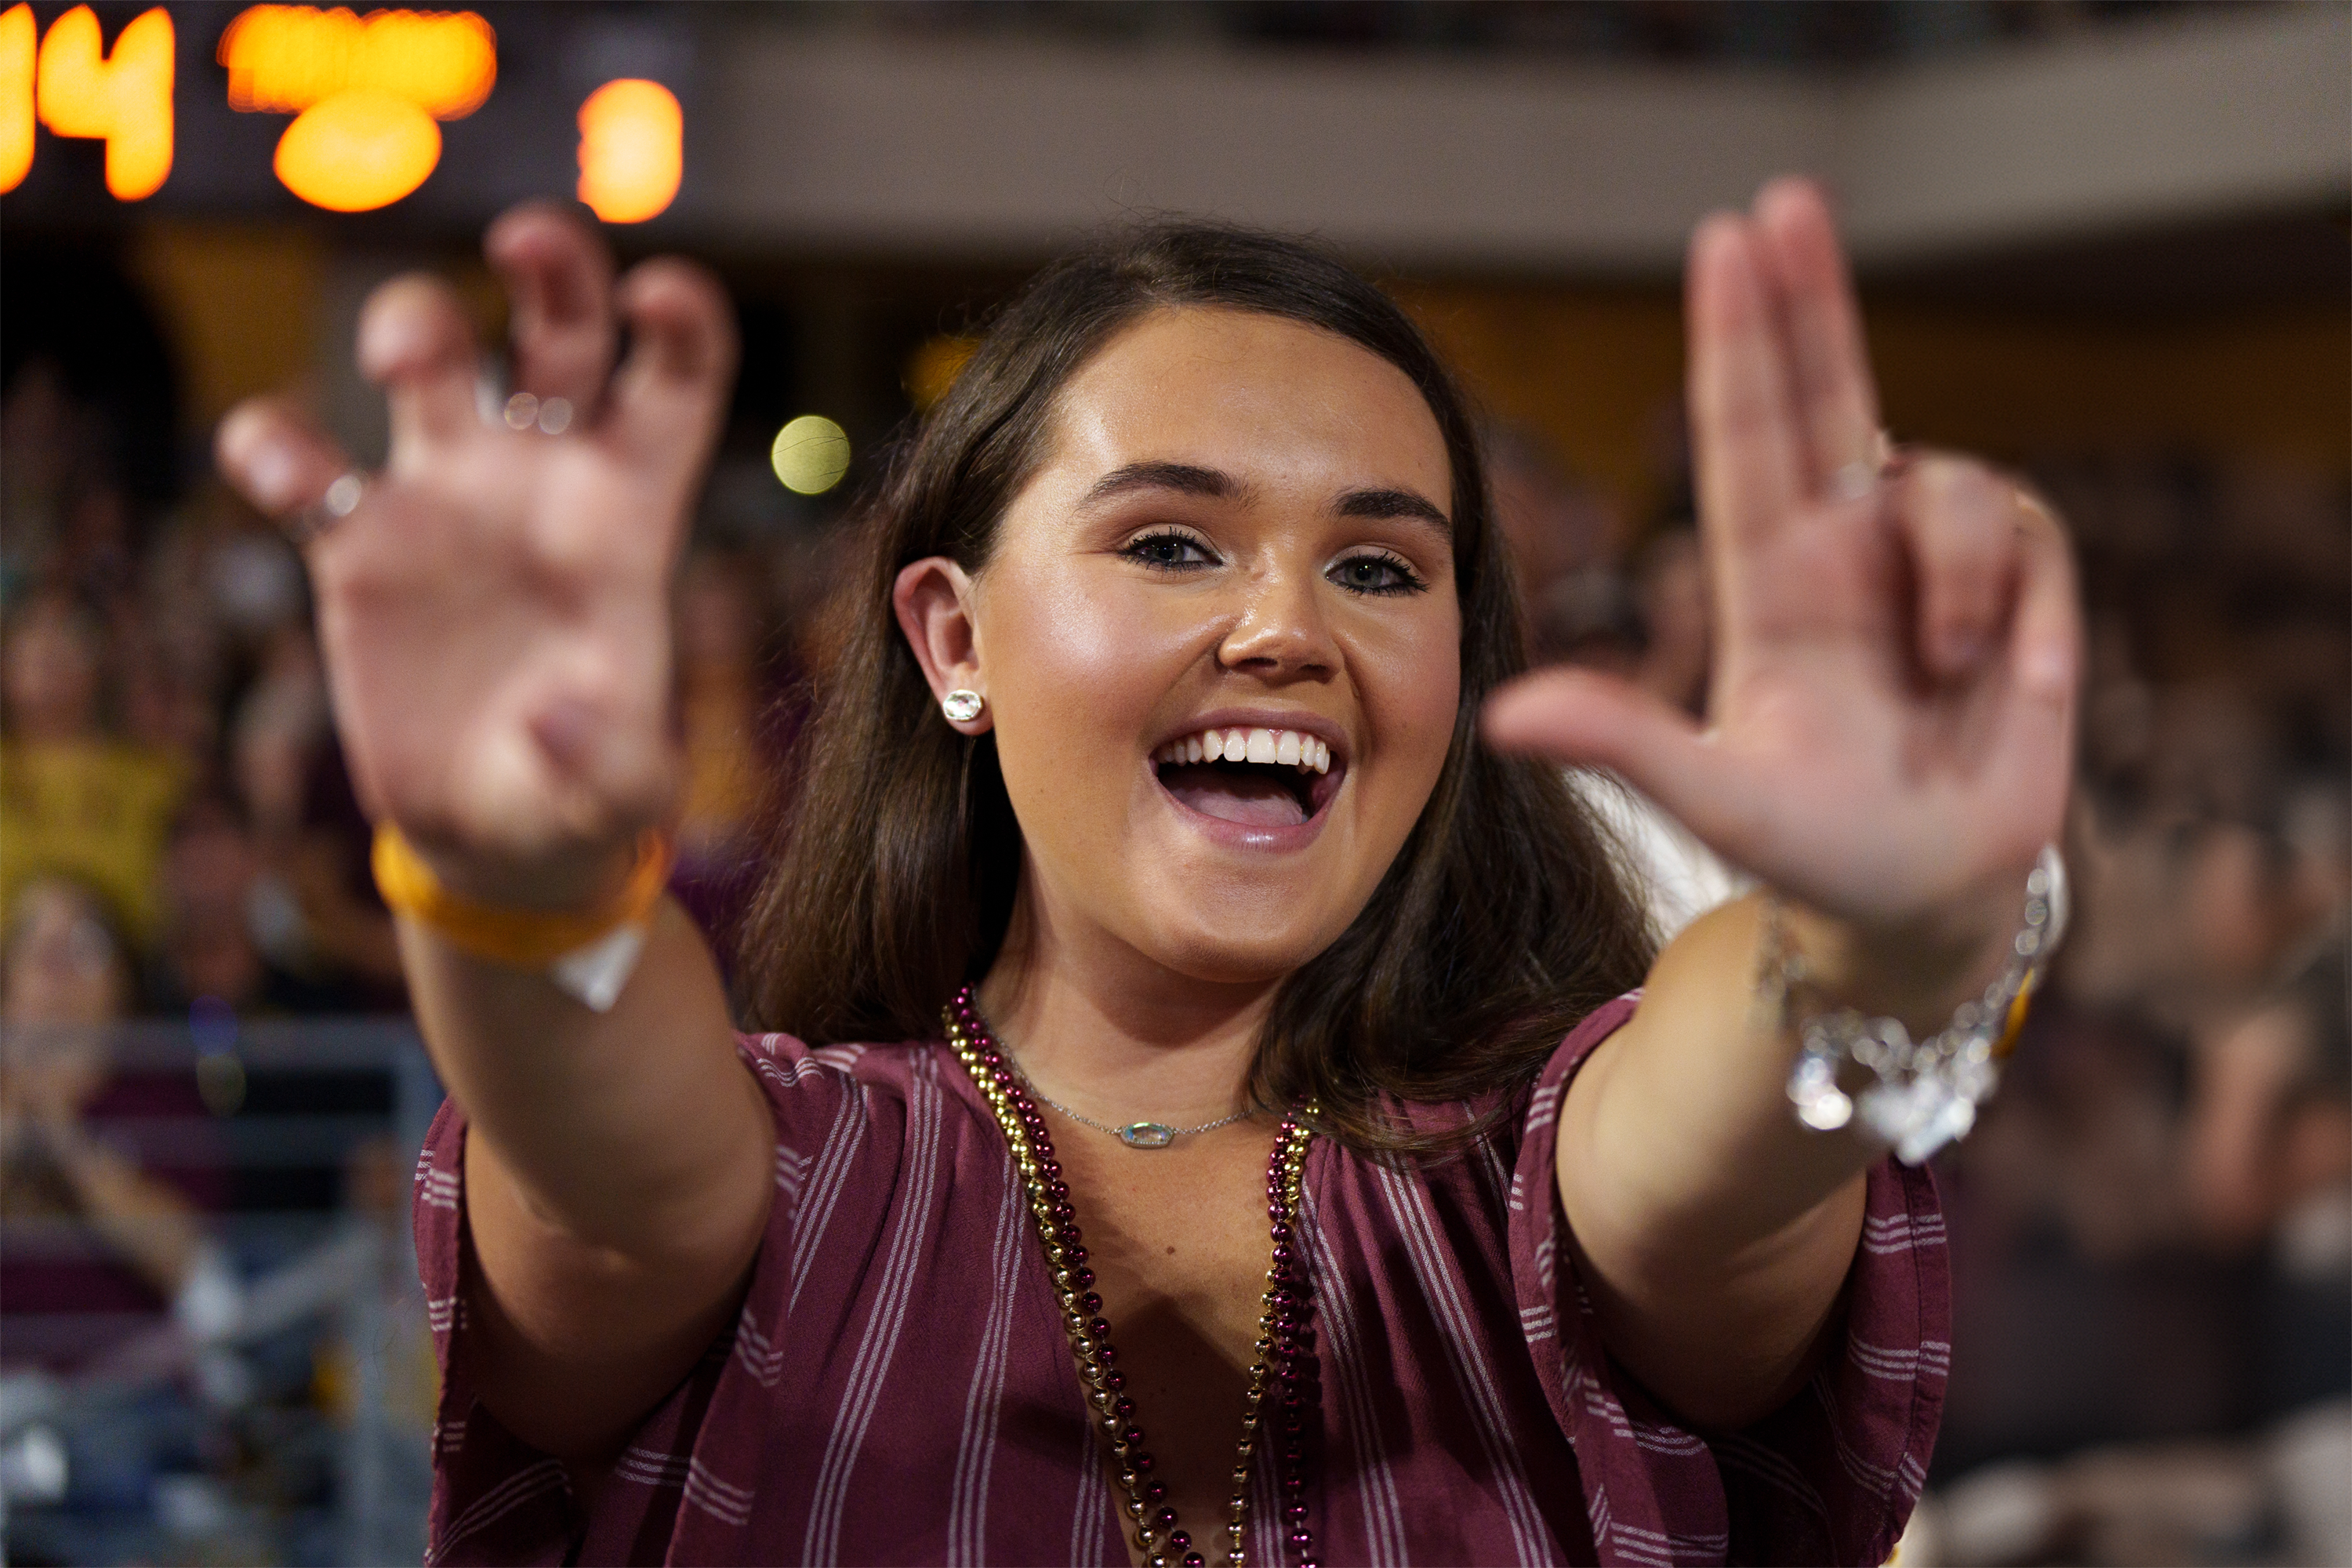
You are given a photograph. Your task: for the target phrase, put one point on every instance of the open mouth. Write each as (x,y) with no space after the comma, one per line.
(1254,777)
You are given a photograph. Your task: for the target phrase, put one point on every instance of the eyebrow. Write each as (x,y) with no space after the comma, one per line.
(1190,478)
(1396,503)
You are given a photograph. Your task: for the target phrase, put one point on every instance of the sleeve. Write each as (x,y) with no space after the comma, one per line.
(495,1497)
(1831,1476)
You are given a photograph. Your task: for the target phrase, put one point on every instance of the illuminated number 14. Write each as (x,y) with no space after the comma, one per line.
(123,98)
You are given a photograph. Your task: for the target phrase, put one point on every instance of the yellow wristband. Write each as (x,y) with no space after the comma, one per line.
(520,939)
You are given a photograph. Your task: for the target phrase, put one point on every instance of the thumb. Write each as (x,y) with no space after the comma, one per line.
(1584,717)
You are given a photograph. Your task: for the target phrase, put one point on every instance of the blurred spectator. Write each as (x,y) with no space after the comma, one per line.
(346,931)
(1680,877)
(1670,588)
(218,905)
(36,436)
(311,908)
(2074,1274)
(1582,609)
(96,1244)
(2267,1162)
(2152,1227)
(1563,540)
(73,800)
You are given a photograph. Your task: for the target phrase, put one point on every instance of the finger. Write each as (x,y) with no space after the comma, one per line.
(1837,404)
(559,274)
(1744,434)
(274,457)
(417,344)
(1961,520)
(669,393)
(2046,643)
(2045,654)
(1582,716)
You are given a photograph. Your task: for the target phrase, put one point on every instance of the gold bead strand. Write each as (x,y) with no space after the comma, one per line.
(1157,1533)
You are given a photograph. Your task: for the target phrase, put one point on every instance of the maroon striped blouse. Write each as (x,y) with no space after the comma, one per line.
(898,1389)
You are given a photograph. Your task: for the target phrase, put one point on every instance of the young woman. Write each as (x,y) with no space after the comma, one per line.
(1281,1164)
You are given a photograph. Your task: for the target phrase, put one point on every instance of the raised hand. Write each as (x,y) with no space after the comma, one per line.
(495,608)
(1891,714)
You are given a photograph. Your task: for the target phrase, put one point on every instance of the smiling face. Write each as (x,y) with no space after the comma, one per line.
(1236,542)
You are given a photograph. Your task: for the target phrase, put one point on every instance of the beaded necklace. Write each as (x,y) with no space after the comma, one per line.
(1285,1346)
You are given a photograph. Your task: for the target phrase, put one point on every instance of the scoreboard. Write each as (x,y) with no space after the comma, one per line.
(358,102)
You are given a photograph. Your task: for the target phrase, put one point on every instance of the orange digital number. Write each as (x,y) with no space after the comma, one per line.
(18,48)
(365,92)
(123,98)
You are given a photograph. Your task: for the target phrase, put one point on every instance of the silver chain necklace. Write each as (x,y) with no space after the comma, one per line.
(1135,1134)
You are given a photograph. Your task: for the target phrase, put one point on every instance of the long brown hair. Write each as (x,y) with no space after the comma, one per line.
(896,856)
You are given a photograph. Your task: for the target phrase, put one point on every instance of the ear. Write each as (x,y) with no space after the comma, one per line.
(933,599)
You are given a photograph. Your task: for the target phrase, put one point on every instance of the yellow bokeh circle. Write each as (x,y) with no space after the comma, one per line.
(811,454)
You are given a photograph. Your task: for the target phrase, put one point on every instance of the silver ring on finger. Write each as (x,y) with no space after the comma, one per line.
(547,416)
(339,500)
(1856,480)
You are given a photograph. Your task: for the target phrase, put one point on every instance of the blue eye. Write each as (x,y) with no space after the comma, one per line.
(1169,551)
(1376,575)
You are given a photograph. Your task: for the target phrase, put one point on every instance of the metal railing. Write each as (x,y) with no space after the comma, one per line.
(214,1343)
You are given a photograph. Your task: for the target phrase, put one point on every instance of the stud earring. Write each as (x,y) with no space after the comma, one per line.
(960,706)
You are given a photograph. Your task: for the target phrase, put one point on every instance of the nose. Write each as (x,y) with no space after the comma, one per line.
(1281,633)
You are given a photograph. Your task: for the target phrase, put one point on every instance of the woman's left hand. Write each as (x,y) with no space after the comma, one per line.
(1891,713)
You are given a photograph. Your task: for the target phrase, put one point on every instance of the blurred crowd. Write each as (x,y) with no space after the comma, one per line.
(2152,1233)
(1772,33)
(176,820)
(214,1345)
(180,831)
(211,1329)
(2152,1226)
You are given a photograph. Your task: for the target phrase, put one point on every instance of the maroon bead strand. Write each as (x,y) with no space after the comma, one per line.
(1286,1345)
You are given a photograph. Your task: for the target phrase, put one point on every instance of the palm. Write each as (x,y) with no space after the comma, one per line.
(490,590)
(495,612)
(1892,686)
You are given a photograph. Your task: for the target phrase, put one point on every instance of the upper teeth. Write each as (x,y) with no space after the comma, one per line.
(1300,750)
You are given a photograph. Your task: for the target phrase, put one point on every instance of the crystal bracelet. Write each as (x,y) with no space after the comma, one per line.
(1926,1091)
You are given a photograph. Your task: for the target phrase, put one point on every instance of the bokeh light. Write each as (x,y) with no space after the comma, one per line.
(365,92)
(281,59)
(811,454)
(932,368)
(358,151)
(632,139)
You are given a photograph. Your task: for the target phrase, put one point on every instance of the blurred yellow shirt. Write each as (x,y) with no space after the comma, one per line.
(97,811)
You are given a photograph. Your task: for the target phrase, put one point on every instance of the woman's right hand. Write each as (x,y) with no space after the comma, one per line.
(495,610)
(496,617)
